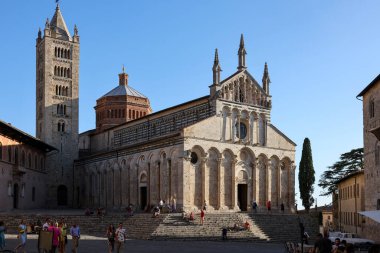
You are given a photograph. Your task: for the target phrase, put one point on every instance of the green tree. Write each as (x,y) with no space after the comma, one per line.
(349,162)
(306,176)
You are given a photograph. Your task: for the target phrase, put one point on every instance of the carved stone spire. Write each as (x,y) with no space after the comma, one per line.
(242,54)
(266,79)
(216,69)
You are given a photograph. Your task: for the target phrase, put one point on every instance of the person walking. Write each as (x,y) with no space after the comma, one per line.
(202,216)
(2,237)
(75,234)
(22,236)
(254,206)
(269,207)
(56,236)
(62,238)
(111,238)
(121,235)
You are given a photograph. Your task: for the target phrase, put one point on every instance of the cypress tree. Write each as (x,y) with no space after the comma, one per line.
(306,176)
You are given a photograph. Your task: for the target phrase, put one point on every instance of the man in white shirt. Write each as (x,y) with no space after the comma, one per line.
(121,235)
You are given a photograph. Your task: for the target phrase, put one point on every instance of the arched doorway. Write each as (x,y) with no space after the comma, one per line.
(15,196)
(62,195)
(143,192)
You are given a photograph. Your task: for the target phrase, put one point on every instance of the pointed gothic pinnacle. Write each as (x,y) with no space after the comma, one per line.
(123,69)
(266,69)
(241,41)
(216,59)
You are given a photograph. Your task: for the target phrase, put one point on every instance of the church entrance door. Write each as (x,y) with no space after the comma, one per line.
(242,196)
(143,197)
(15,196)
(62,195)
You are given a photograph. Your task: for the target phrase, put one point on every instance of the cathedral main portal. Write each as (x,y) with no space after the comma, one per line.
(242,196)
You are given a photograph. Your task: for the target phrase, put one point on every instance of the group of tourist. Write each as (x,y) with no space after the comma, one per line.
(57,228)
(119,236)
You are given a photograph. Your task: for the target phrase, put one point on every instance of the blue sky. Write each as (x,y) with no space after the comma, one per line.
(320,55)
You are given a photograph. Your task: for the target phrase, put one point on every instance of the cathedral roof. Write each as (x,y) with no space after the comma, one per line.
(58,24)
(122,90)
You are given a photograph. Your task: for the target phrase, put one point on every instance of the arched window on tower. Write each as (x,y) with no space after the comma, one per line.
(60,90)
(64,109)
(68,73)
(65,54)
(59,52)
(55,51)
(61,74)
(68,54)
(56,90)
(67,91)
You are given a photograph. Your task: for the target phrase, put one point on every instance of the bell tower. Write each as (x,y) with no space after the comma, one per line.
(57,104)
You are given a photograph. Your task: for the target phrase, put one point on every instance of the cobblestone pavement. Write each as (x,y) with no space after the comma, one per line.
(99,245)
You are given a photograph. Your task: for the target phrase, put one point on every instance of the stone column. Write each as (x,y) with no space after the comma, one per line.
(205,182)
(253,174)
(170,180)
(220,191)
(268,188)
(251,127)
(186,196)
(149,186)
(233,184)
(257,129)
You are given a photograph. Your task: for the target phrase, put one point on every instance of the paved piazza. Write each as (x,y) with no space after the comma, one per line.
(99,245)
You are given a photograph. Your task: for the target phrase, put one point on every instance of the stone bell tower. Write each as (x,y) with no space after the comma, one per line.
(57,95)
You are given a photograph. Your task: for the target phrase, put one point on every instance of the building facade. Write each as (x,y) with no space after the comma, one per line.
(221,150)
(351,197)
(57,95)
(23,170)
(371,134)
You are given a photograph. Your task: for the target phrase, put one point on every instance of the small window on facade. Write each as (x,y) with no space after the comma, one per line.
(9,154)
(372,108)
(241,130)
(194,158)
(23,158)
(16,155)
(29,160)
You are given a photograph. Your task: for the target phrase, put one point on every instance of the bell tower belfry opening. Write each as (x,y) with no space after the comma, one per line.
(57,100)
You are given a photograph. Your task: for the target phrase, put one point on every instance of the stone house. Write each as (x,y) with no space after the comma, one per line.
(22,169)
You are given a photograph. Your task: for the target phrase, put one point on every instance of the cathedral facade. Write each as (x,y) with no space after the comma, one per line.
(220,149)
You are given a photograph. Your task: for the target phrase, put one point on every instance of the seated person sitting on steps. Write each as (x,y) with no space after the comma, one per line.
(247,226)
(237,227)
(156,211)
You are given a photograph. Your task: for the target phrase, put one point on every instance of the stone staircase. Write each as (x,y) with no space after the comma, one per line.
(174,227)
(275,228)
(284,227)
(139,226)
